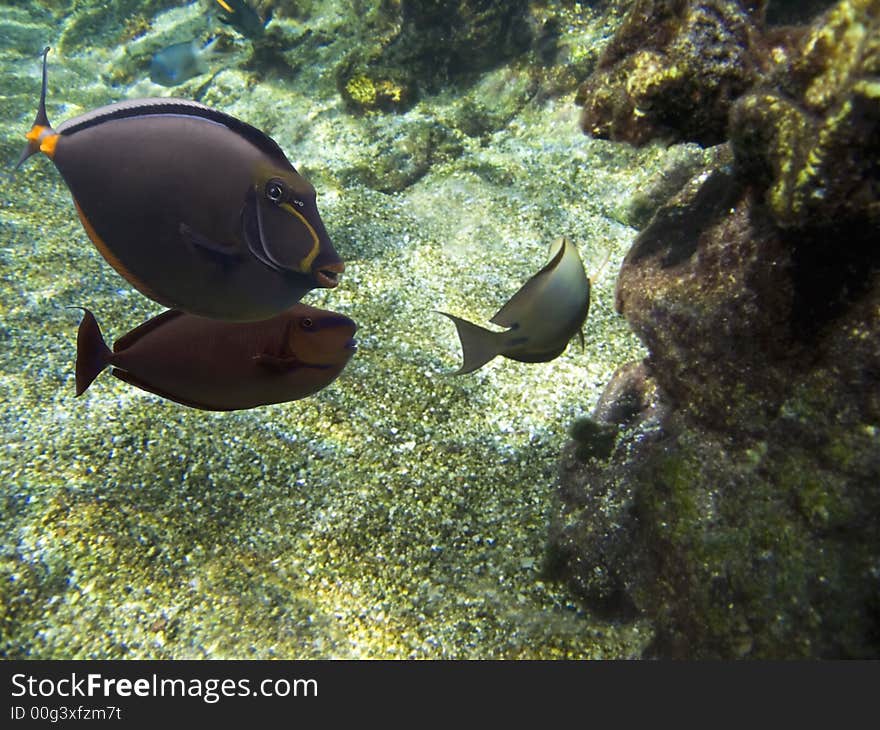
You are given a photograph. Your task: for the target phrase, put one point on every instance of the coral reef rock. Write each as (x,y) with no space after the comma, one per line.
(765,548)
(672,71)
(424,43)
(737,505)
(792,12)
(799,132)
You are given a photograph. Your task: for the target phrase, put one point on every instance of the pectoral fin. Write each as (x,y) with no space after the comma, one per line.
(204,243)
(277,364)
(284,364)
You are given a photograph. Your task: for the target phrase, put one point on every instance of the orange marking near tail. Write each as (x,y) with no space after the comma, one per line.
(42,138)
(48,145)
(36,131)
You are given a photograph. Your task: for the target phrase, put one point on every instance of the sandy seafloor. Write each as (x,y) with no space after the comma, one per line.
(399,512)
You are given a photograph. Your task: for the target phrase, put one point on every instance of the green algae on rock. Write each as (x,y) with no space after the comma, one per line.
(737,507)
(796,135)
(424,43)
(404,153)
(115,22)
(706,286)
(684,164)
(795,12)
(364,87)
(672,71)
(734,548)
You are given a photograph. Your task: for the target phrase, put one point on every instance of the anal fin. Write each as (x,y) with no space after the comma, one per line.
(131,379)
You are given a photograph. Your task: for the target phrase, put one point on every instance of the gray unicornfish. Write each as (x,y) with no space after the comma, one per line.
(540,318)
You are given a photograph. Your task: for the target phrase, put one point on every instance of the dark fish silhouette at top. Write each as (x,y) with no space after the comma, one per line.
(243,18)
(196,209)
(541,317)
(222,366)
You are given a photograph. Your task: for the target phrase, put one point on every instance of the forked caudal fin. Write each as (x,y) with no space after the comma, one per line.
(478,345)
(92,353)
(41,129)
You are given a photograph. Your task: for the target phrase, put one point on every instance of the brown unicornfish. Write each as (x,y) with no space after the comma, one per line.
(196,209)
(222,366)
(541,317)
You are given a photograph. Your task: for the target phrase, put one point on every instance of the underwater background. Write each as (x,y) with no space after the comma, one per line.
(701,479)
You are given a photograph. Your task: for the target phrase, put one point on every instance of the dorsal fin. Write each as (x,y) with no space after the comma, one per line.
(41,120)
(41,117)
(171,106)
(521,302)
(128,339)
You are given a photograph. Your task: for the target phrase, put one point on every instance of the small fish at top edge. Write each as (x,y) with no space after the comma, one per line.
(241,16)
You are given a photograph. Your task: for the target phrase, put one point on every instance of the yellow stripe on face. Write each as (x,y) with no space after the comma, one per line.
(305,266)
(225,6)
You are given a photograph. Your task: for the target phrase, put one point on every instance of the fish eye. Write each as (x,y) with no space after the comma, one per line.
(307,323)
(275,191)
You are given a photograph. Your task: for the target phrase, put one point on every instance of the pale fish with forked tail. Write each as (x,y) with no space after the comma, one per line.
(540,318)
(181,62)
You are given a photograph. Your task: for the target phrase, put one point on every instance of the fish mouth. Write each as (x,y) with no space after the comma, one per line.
(328,276)
(351,345)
